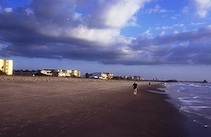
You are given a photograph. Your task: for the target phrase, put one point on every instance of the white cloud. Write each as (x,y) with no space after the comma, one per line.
(166,27)
(8,10)
(103,27)
(132,22)
(77,16)
(119,12)
(176,32)
(198,23)
(156,9)
(29,11)
(114,14)
(203,7)
(178,25)
(147,33)
(104,36)
(170,27)
(185,9)
(162,33)
(126,50)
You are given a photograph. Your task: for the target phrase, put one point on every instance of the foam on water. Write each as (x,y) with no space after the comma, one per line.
(192,99)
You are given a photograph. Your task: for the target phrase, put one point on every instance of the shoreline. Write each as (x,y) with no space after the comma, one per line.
(197,123)
(56,107)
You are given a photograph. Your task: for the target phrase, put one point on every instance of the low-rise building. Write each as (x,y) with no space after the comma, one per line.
(76,73)
(61,73)
(47,72)
(137,78)
(6,66)
(100,75)
(25,72)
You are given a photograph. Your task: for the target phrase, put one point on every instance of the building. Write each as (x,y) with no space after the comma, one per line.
(88,75)
(76,73)
(48,72)
(6,66)
(25,72)
(61,73)
(137,78)
(101,75)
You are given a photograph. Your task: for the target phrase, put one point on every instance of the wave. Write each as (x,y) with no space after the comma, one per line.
(192,98)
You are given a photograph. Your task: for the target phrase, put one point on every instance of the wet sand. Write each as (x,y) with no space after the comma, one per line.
(67,107)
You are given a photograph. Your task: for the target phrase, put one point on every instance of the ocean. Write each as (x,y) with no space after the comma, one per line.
(192,99)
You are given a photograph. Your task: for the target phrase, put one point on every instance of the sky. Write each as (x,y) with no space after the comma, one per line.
(165,39)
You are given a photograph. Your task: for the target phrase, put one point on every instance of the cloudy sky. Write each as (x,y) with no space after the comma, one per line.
(168,39)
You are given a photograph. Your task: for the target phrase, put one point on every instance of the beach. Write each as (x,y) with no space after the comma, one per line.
(77,107)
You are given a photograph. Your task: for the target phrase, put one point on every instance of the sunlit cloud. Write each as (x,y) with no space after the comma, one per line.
(203,7)
(118,13)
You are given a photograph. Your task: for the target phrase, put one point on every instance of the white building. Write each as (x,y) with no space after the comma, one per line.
(101,75)
(61,73)
(6,66)
(47,72)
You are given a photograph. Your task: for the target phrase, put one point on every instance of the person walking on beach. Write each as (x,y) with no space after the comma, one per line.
(135,88)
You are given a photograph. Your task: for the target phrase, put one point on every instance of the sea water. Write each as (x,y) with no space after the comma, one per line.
(193,100)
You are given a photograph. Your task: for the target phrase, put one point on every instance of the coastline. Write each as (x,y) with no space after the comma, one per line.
(188,99)
(59,107)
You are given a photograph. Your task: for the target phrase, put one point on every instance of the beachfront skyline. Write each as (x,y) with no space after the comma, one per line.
(166,39)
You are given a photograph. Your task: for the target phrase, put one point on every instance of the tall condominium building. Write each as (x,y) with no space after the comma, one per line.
(6,66)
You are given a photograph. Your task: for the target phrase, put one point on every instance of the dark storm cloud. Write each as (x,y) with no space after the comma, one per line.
(59,51)
(53,12)
(24,36)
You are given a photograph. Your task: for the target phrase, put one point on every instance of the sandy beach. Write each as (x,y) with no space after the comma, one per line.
(68,107)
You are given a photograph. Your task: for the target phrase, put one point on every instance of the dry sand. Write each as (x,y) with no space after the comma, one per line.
(67,107)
